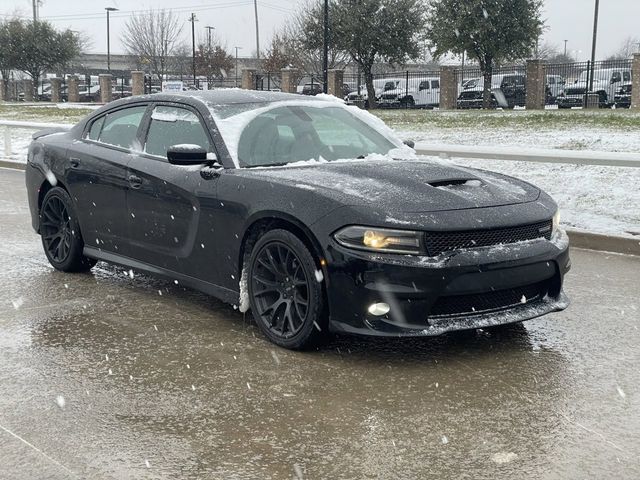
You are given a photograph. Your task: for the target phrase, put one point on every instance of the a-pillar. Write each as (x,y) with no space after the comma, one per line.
(635,91)
(56,84)
(105,87)
(249,79)
(27,85)
(448,88)
(137,83)
(289,80)
(73,89)
(536,86)
(335,78)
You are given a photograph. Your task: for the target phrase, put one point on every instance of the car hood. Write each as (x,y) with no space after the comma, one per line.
(403,185)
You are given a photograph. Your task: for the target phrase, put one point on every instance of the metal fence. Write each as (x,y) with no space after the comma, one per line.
(397,89)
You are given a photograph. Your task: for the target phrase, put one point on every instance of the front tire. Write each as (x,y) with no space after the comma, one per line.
(285,291)
(60,233)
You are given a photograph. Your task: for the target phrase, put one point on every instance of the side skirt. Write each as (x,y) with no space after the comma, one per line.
(222,293)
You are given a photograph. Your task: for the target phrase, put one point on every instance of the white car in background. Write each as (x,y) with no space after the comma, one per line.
(420,92)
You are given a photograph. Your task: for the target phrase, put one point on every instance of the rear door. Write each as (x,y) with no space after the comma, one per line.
(98,175)
(164,207)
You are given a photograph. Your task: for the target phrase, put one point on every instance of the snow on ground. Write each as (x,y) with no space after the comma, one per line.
(598,199)
(579,138)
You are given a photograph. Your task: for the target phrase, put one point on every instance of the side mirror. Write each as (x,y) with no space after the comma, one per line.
(187,154)
(410,143)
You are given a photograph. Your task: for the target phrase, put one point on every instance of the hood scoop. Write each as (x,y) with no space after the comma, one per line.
(456,182)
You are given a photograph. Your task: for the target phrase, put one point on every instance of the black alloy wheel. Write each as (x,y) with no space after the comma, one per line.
(60,233)
(285,294)
(56,229)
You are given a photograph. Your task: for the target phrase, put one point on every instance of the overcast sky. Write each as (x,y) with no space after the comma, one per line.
(234,20)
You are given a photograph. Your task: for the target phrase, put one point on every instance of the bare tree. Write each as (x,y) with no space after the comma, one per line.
(152,37)
(293,47)
(628,47)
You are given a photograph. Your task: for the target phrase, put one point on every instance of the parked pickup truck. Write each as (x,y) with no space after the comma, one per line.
(605,83)
(423,92)
(508,91)
(380,85)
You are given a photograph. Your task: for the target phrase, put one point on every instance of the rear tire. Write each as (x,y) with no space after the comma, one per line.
(60,233)
(287,300)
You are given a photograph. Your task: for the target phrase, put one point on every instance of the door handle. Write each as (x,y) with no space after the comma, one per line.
(135,181)
(75,162)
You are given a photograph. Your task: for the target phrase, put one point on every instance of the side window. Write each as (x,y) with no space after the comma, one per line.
(424,85)
(435,84)
(627,76)
(121,127)
(616,77)
(96,126)
(174,126)
(552,80)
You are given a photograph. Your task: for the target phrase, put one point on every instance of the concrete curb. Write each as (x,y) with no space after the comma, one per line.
(604,243)
(14,165)
(578,238)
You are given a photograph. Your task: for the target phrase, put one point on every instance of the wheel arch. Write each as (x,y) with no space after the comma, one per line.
(270,220)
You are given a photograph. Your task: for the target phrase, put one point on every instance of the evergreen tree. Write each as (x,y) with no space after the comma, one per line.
(489,31)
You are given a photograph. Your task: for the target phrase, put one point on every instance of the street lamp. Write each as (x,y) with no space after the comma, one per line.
(237,48)
(109,10)
(565,49)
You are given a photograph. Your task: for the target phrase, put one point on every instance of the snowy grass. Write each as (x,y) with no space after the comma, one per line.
(45,112)
(598,130)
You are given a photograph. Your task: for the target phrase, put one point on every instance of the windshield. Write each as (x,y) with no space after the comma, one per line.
(297,133)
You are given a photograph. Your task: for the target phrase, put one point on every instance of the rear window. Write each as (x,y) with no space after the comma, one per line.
(121,127)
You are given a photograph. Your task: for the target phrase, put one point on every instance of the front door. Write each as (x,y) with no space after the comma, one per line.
(164,207)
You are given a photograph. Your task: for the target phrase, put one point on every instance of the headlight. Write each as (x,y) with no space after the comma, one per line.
(380,239)
(556,222)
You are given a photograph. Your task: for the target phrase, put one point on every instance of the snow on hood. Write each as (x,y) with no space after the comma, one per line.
(231,128)
(417,185)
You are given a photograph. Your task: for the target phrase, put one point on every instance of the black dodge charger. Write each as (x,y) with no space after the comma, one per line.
(308,212)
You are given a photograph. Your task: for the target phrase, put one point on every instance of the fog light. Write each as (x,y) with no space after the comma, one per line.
(379,309)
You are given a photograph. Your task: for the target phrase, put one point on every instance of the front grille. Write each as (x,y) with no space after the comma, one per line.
(459,305)
(441,242)
(575,91)
(473,95)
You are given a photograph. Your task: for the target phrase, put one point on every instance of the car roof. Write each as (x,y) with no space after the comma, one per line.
(228,96)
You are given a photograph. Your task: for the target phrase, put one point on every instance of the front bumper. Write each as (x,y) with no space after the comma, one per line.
(570,101)
(433,295)
(623,101)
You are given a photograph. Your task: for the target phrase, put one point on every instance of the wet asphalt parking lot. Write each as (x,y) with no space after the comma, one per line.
(106,376)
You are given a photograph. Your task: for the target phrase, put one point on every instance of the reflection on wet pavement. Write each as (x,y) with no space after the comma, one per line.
(108,376)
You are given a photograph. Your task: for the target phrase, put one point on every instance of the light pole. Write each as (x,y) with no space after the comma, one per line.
(237,48)
(593,46)
(565,49)
(193,45)
(325,53)
(109,10)
(255,9)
